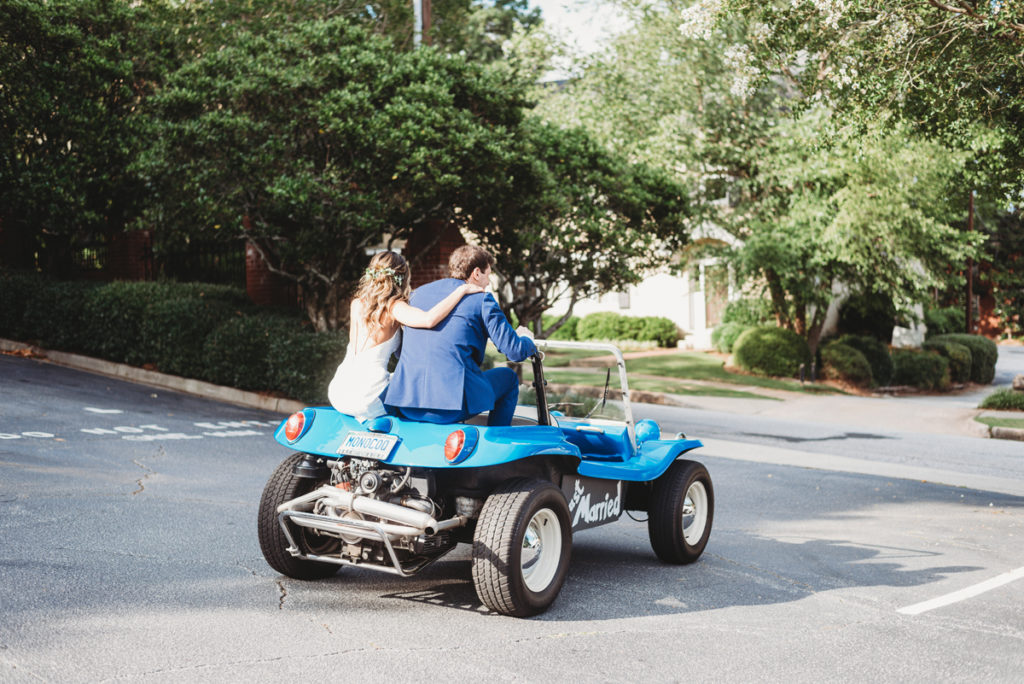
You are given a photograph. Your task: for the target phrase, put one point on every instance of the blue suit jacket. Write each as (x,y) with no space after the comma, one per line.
(439,367)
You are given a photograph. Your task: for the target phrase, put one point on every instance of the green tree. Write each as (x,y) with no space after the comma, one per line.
(316,141)
(72,72)
(574,221)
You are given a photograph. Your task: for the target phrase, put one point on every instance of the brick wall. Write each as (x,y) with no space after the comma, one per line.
(428,250)
(263,287)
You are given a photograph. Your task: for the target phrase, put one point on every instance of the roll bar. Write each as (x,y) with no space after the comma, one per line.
(544,345)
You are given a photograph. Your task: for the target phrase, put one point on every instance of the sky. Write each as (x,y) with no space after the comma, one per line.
(583,22)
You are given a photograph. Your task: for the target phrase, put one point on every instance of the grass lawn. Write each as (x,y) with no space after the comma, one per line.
(698,366)
(1003,422)
(669,385)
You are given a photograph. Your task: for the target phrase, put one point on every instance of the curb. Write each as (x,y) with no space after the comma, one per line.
(198,388)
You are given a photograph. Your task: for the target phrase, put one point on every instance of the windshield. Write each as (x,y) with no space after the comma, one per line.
(580,383)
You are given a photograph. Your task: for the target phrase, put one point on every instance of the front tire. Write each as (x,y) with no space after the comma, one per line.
(521,547)
(283,486)
(682,509)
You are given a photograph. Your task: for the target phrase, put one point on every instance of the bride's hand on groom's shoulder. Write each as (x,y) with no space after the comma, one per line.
(469,288)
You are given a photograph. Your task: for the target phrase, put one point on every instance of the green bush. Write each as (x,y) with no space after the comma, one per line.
(771,351)
(172,332)
(877,354)
(568,329)
(922,369)
(55,316)
(984,354)
(15,289)
(613,326)
(301,363)
(748,312)
(724,336)
(114,315)
(237,351)
(945,321)
(959,357)
(659,329)
(868,314)
(843,362)
(599,326)
(1004,400)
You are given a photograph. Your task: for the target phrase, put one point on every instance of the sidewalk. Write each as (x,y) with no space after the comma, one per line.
(946,415)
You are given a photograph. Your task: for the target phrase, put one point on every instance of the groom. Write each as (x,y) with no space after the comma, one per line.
(438,378)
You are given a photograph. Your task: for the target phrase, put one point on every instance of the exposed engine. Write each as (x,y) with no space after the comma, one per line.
(369,514)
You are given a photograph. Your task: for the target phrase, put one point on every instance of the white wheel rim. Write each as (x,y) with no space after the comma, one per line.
(695,513)
(542,549)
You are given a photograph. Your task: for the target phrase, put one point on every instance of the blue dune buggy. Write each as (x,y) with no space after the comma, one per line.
(395,495)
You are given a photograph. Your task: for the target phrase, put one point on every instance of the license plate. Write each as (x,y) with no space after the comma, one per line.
(368,445)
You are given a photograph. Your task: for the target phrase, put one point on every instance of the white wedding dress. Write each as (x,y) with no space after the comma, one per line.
(362,377)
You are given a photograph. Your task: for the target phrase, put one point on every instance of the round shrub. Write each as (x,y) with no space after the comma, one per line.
(843,362)
(301,363)
(172,333)
(724,336)
(959,358)
(15,289)
(944,321)
(984,354)
(236,352)
(1004,400)
(567,331)
(55,315)
(748,312)
(922,369)
(769,350)
(877,354)
(113,318)
(659,329)
(599,326)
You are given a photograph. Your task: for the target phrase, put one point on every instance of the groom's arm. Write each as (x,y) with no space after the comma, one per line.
(500,331)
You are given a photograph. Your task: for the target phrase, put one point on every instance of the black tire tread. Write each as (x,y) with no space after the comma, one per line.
(283,486)
(664,524)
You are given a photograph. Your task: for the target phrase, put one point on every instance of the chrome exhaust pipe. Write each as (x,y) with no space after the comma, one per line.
(339,498)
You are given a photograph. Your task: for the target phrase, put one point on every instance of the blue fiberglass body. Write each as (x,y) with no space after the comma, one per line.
(605,454)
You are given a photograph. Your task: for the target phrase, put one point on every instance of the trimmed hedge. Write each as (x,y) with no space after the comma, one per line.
(984,354)
(724,336)
(208,332)
(877,354)
(843,362)
(748,312)
(945,321)
(922,369)
(1004,400)
(769,350)
(568,329)
(613,326)
(959,357)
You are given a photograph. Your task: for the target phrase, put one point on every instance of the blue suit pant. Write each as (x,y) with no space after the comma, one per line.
(505,384)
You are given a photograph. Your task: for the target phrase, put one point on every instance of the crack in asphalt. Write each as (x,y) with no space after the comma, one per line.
(149,471)
(284,595)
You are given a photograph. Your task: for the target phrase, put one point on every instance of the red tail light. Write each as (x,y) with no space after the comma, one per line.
(293,428)
(453,445)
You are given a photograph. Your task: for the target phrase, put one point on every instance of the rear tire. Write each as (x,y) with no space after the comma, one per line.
(283,486)
(521,547)
(682,509)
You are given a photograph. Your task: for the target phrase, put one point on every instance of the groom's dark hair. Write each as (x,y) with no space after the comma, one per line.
(467,257)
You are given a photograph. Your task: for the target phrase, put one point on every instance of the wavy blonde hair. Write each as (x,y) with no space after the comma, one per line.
(385,281)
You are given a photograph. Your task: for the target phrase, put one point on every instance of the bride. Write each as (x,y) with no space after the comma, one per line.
(379,309)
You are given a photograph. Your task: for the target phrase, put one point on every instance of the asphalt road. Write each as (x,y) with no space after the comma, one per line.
(128,552)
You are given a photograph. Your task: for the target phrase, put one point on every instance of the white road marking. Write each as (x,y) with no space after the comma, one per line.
(963,594)
(99,410)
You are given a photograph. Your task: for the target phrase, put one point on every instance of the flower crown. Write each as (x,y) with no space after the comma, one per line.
(375,273)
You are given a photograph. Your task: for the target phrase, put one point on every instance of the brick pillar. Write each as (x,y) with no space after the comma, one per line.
(428,250)
(263,287)
(129,256)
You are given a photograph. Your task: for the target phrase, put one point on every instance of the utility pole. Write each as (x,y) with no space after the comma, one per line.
(970,267)
(421,13)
